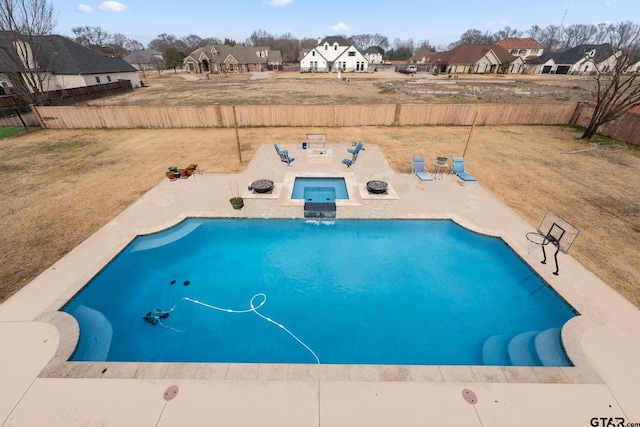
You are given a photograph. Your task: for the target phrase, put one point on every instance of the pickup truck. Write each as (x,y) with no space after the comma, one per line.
(409,69)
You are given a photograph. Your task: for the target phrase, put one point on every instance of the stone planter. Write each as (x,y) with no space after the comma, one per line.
(236,202)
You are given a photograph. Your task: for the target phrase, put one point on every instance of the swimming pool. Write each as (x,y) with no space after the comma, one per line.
(421,292)
(319,190)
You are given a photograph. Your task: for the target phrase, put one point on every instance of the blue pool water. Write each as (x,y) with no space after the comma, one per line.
(352,291)
(319,190)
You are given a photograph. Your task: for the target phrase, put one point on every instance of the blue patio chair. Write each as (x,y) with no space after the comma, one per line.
(418,169)
(284,155)
(350,162)
(458,169)
(355,150)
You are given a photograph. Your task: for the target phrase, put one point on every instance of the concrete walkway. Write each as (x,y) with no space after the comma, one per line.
(39,387)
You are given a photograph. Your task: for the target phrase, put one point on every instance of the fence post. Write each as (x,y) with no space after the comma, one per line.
(36,113)
(396,118)
(235,121)
(576,114)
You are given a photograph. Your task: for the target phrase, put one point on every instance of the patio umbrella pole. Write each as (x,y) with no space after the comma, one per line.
(475,116)
(235,123)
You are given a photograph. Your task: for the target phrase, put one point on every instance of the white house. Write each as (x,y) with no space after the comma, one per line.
(373,55)
(334,54)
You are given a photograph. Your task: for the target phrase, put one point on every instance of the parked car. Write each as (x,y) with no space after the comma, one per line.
(411,68)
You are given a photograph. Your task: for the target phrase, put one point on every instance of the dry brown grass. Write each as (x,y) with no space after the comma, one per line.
(61,186)
(287,88)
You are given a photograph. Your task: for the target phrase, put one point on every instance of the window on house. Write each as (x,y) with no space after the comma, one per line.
(514,51)
(335,46)
(352,54)
(108,78)
(97,79)
(313,53)
(535,51)
(3,82)
(191,66)
(326,47)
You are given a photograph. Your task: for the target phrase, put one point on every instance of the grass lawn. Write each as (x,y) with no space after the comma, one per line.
(7,132)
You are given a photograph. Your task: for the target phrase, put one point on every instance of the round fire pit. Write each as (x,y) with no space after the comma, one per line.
(377,187)
(262,186)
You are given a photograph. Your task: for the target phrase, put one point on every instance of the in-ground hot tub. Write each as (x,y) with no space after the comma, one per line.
(319,190)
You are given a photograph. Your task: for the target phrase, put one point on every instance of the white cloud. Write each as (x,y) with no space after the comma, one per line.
(113,6)
(277,3)
(84,8)
(339,27)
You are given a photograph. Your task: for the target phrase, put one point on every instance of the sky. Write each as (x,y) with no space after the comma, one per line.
(439,22)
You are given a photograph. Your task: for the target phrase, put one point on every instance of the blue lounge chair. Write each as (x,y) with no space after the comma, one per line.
(353,159)
(458,169)
(284,155)
(355,150)
(418,169)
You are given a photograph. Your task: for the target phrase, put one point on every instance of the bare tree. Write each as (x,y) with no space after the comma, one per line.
(164,40)
(618,90)
(192,42)
(90,36)
(133,45)
(507,32)
(24,53)
(119,44)
(261,38)
(474,36)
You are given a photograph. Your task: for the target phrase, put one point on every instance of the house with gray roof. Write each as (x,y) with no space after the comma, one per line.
(232,59)
(373,55)
(147,59)
(474,59)
(583,59)
(68,65)
(334,54)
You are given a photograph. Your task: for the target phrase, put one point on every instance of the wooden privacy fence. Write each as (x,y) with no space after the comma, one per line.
(626,128)
(302,115)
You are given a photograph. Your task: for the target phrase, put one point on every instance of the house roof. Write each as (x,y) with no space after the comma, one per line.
(145,56)
(242,54)
(68,57)
(64,56)
(424,53)
(519,43)
(467,54)
(334,39)
(577,54)
(373,50)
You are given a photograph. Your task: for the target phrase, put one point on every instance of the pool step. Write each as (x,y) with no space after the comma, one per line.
(522,351)
(495,351)
(533,348)
(548,345)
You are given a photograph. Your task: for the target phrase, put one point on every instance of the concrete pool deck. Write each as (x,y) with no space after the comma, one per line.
(39,387)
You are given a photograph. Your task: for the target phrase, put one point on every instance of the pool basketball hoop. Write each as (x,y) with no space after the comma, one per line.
(555,230)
